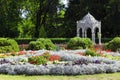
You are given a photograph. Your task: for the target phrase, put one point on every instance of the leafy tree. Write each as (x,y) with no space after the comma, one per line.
(9,17)
(26,28)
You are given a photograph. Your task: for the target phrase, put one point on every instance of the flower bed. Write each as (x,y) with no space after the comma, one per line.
(68,63)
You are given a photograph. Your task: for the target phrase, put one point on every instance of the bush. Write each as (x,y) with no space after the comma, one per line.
(8,45)
(41,43)
(48,43)
(114,44)
(36,45)
(91,53)
(78,43)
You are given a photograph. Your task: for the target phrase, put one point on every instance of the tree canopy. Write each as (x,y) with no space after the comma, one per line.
(51,18)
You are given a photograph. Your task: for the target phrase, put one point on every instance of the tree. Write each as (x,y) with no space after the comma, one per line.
(26,28)
(43,13)
(9,17)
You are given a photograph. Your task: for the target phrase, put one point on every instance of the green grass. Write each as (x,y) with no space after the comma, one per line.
(113,76)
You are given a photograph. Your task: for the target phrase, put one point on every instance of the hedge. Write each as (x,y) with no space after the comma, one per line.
(55,40)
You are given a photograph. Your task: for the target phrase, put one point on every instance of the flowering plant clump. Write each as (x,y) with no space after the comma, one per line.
(37,60)
(54,57)
(42,59)
(46,55)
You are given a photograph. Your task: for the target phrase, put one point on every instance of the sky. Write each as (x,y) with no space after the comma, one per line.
(65,2)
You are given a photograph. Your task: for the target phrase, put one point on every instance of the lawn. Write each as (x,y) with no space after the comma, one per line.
(113,76)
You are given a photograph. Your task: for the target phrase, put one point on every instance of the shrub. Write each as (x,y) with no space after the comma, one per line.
(114,44)
(41,43)
(8,45)
(36,45)
(91,53)
(48,43)
(78,43)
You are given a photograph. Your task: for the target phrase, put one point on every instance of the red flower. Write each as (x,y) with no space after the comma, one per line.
(54,57)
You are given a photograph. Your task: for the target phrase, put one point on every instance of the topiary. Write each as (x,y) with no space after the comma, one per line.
(78,43)
(41,43)
(114,44)
(48,43)
(36,45)
(8,45)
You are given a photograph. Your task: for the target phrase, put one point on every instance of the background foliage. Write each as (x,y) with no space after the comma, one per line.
(50,18)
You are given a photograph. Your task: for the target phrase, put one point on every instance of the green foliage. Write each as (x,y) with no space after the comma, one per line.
(78,43)
(26,28)
(48,43)
(9,17)
(114,44)
(42,43)
(37,60)
(105,40)
(91,53)
(42,32)
(106,11)
(112,57)
(54,40)
(59,40)
(36,45)
(42,59)
(8,45)
(24,40)
(46,55)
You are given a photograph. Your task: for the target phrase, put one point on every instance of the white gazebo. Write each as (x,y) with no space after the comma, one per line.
(89,22)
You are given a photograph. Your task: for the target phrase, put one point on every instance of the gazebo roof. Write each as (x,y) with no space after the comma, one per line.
(88,18)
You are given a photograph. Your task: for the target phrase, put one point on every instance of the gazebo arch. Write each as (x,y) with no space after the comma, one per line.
(89,21)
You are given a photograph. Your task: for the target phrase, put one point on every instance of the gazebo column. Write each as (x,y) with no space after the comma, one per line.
(100,38)
(99,34)
(85,34)
(78,35)
(93,37)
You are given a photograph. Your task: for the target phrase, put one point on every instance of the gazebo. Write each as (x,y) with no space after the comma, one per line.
(89,21)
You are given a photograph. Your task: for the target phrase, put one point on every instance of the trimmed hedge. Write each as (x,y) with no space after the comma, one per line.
(24,40)
(79,43)
(41,43)
(8,45)
(105,40)
(114,44)
(54,40)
